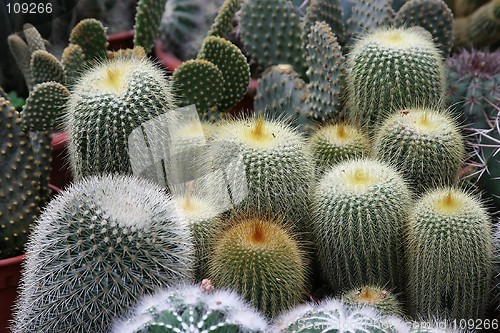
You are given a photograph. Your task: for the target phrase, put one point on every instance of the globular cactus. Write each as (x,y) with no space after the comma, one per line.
(449,229)
(277,164)
(392,69)
(24,178)
(184,25)
(380,299)
(106,105)
(97,248)
(271,33)
(334,143)
(479,29)
(433,15)
(357,206)
(147,20)
(425,145)
(333,316)
(496,265)
(261,260)
(192,309)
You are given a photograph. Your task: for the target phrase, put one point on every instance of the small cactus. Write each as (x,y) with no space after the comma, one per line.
(192,309)
(382,300)
(97,248)
(147,20)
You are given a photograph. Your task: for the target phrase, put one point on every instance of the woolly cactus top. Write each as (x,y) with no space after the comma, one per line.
(192,309)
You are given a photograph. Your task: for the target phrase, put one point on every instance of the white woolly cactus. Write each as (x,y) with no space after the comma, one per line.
(332,316)
(97,248)
(106,105)
(277,163)
(191,309)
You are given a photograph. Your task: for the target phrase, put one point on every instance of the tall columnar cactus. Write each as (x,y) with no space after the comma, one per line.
(433,15)
(277,164)
(449,256)
(393,68)
(262,261)
(335,143)
(106,105)
(192,309)
(24,177)
(271,33)
(382,300)
(147,20)
(96,249)
(479,29)
(425,145)
(357,206)
(333,316)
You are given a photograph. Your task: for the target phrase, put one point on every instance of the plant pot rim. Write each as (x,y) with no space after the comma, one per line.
(12,260)
(121,35)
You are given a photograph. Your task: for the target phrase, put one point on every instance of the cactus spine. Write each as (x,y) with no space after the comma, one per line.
(96,249)
(357,206)
(449,229)
(382,300)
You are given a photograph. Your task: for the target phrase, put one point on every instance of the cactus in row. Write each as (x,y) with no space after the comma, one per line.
(332,316)
(433,15)
(147,19)
(358,205)
(261,260)
(192,309)
(479,29)
(449,229)
(104,108)
(97,248)
(277,164)
(380,299)
(368,16)
(393,69)
(425,145)
(24,179)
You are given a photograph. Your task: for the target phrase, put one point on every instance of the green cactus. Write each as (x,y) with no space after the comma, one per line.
(382,300)
(479,29)
(357,206)
(332,144)
(332,316)
(448,229)
(326,73)
(425,145)
(328,11)
(106,105)
(193,308)
(393,69)
(281,93)
(368,16)
(96,249)
(277,164)
(147,20)
(261,260)
(433,15)
(223,22)
(233,64)
(271,33)
(44,108)
(45,67)
(24,179)
(90,35)
(73,62)
(33,38)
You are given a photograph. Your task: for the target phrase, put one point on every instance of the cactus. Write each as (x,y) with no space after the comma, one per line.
(96,249)
(447,229)
(392,69)
(185,23)
(147,20)
(358,205)
(90,35)
(467,7)
(277,164)
(479,29)
(106,105)
(328,11)
(380,299)
(223,22)
(262,261)
(368,16)
(333,316)
(192,309)
(281,93)
(271,33)
(496,266)
(45,67)
(73,62)
(24,173)
(433,15)
(425,145)
(332,144)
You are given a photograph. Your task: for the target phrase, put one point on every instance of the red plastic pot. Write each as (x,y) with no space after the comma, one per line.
(121,40)
(171,62)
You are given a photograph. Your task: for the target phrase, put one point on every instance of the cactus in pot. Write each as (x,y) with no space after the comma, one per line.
(97,248)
